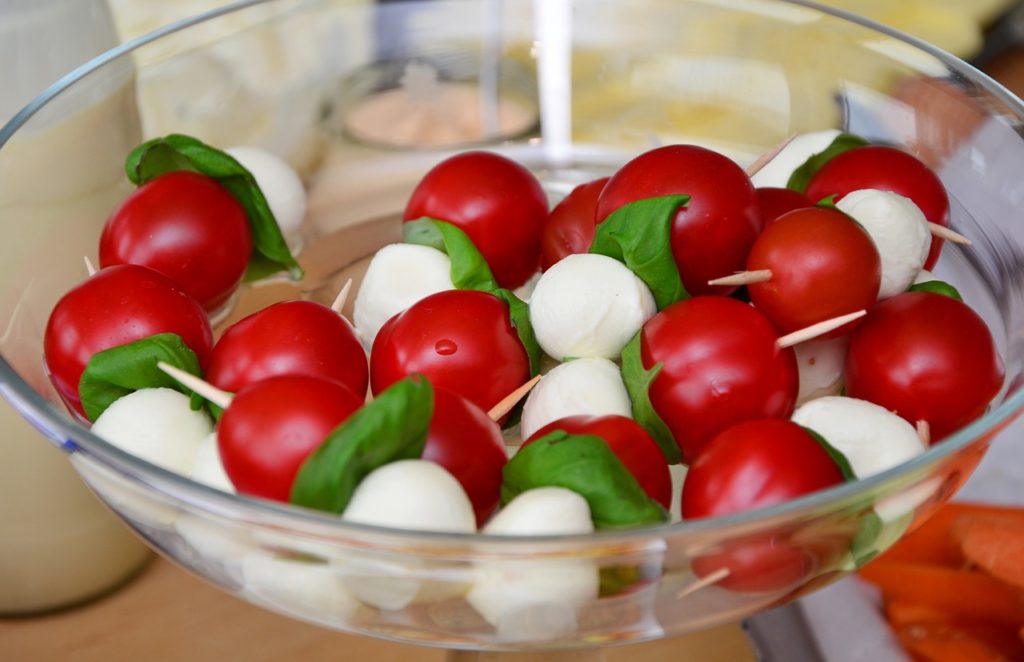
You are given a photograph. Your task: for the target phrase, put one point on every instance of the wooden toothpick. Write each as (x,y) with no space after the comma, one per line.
(743,277)
(218,397)
(763,160)
(339,301)
(815,330)
(924,432)
(90,268)
(510,400)
(953,236)
(703,582)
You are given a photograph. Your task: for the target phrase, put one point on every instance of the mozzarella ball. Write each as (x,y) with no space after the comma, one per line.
(587,306)
(304,589)
(156,425)
(412,494)
(899,230)
(536,599)
(591,387)
(280,185)
(821,363)
(872,438)
(208,467)
(776,172)
(398,276)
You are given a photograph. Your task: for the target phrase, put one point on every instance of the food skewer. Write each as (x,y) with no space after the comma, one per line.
(953,236)
(703,582)
(509,401)
(815,330)
(765,158)
(743,278)
(339,301)
(924,432)
(90,268)
(218,397)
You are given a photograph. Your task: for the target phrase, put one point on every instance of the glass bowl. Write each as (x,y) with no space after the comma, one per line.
(608,79)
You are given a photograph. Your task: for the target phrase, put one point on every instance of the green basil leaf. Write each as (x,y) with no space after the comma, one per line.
(519,315)
(638,382)
(470,270)
(640,236)
(829,202)
(391,427)
(585,465)
(844,142)
(937,287)
(178,152)
(863,548)
(118,371)
(837,456)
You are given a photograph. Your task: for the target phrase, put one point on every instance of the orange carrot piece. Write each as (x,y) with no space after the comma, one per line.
(947,645)
(964,594)
(902,614)
(931,542)
(1001,640)
(994,545)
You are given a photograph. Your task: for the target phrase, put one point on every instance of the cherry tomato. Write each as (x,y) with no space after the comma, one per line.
(887,169)
(273,425)
(756,464)
(461,340)
(720,366)
(774,202)
(926,357)
(467,443)
(187,227)
(570,227)
(823,264)
(290,337)
(713,233)
(630,443)
(495,201)
(118,305)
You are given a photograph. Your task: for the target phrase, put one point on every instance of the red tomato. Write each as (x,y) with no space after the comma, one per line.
(886,169)
(926,357)
(187,227)
(495,201)
(713,233)
(630,443)
(774,202)
(117,306)
(753,465)
(461,340)
(291,337)
(823,264)
(272,426)
(467,443)
(570,227)
(721,366)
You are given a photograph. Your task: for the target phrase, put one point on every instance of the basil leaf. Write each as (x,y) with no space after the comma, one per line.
(585,465)
(178,152)
(844,142)
(640,236)
(519,315)
(470,270)
(829,202)
(863,548)
(837,456)
(391,427)
(638,382)
(118,371)
(937,287)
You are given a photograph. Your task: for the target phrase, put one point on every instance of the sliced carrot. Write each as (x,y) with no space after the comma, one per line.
(1000,640)
(947,645)
(994,544)
(964,594)
(931,541)
(903,614)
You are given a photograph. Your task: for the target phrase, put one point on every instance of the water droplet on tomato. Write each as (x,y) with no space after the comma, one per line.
(445,347)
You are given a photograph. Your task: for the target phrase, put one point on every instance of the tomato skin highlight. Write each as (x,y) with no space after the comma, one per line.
(926,357)
(823,265)
(630,443)
(774,202)
(721,366)
(467,443)
(494,200)
(886,169)
(713,233)
(273,425)
(116,306)
(289,337)
(187,227)
(461,340)
(570,227)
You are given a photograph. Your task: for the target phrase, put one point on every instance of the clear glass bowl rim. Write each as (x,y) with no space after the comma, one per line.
(72,437)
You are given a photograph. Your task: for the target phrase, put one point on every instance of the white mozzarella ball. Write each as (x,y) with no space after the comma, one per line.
(531,600)
(398,276)
(591,387)
(899,230)
(872,438)
(157,425)
(412,494)
(280,185)
(525,291)
(208,468)
(307,590)
(821,363)
(776,172)
(588,305)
